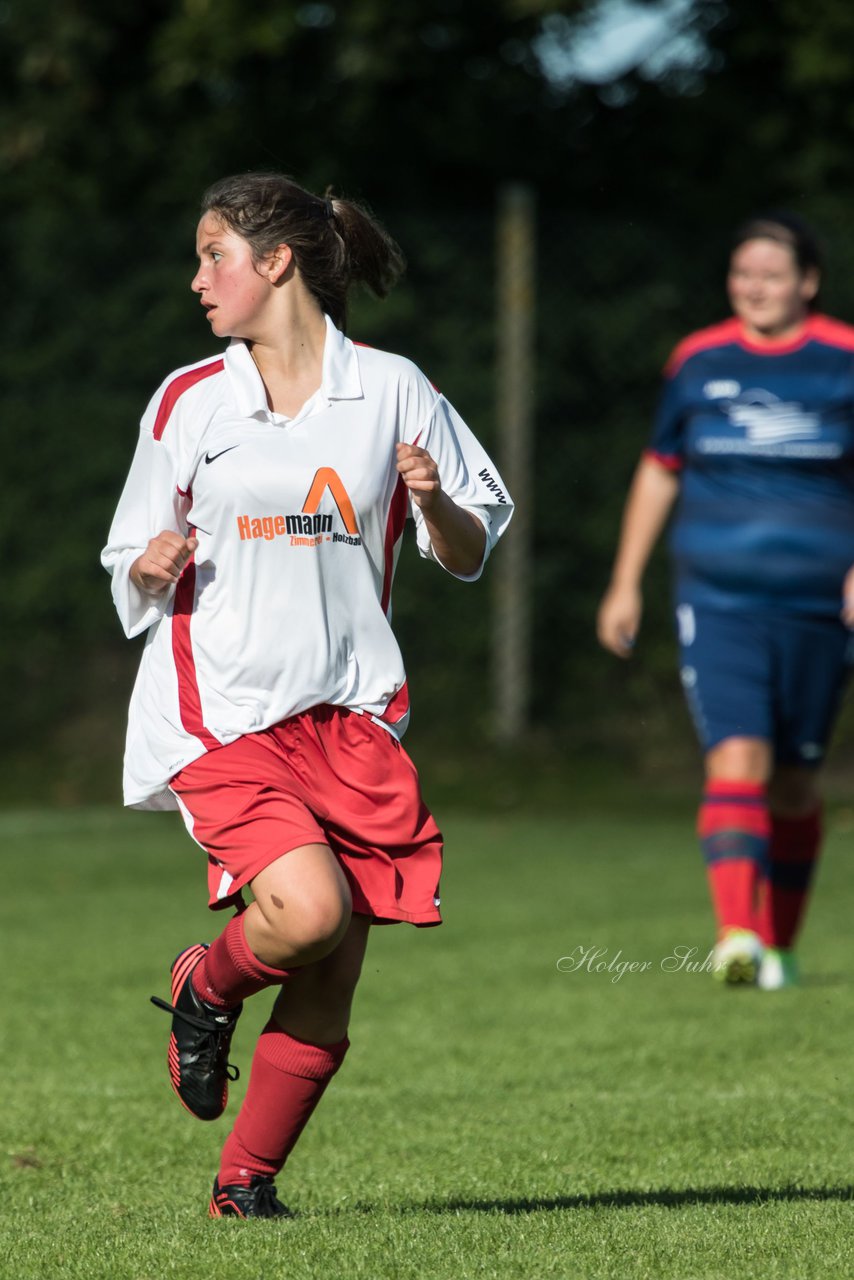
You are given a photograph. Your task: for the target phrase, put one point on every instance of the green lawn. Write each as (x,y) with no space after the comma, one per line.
(496,1116)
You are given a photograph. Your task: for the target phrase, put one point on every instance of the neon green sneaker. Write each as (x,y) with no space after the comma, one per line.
(779,969)
(737,957)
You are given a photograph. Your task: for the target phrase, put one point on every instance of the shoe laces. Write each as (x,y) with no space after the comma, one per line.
(211,1047)
(266,1201)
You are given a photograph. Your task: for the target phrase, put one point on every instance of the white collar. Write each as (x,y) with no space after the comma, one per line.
(340,379)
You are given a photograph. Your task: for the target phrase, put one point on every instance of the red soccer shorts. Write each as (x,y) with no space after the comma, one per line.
(326,776)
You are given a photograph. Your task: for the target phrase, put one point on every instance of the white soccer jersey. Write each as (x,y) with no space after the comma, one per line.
(286,603)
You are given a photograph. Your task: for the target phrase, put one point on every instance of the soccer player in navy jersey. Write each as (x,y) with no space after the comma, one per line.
(754,444)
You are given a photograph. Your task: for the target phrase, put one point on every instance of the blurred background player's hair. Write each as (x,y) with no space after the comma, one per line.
(788,229)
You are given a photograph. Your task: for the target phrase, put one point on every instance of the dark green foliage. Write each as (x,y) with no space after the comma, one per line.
(113,118)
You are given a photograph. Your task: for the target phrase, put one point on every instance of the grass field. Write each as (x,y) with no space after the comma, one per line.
(496,1117)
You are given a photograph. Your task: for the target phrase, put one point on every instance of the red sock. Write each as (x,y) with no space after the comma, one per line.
(734,827)
(795,846)
(229,972)
(288,1079)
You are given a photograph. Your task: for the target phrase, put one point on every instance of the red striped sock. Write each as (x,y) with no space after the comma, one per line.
(288,1080)
(795,848)
(734,827)
(230,972)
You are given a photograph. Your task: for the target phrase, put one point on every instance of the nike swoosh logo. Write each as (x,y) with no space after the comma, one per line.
(212,457)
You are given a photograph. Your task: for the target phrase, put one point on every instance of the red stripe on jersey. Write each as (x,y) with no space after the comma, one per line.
(393,533)
(777,346)
(670,461)
(716,335)
(398,707)
(176,389)
(189,698)
(821,328)
(833,332)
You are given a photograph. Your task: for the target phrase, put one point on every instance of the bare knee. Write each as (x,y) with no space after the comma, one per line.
(304,927)
(319,924)
(740,760)
(302,908)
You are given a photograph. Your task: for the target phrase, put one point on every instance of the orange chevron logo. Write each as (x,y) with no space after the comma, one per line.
(327,478)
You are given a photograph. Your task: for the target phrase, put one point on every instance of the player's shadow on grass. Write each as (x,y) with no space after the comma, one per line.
(666,1198)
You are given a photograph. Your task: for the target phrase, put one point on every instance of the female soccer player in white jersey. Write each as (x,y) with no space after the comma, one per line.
(755,436)
(255,542)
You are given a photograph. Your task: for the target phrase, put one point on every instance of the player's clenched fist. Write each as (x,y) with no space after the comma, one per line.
(162,562)
(420,474)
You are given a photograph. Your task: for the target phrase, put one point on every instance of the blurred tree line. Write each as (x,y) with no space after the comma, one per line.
(113,118)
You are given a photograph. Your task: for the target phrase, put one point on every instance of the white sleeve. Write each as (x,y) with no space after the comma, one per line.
(150,503)
(468,475)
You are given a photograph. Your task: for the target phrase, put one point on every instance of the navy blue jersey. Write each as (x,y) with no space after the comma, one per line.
(763,436)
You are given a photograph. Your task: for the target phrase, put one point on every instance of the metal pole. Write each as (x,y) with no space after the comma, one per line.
(515,412)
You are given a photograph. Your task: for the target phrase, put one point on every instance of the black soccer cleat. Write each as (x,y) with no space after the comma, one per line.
(258,1200)
(198,1046)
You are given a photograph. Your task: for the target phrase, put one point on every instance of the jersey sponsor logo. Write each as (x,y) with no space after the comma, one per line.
(309,527)
(270,527)
(767,419)
(721,389)
(492,486)
(771,426)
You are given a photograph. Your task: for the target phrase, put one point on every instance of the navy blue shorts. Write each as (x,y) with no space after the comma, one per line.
(776,677)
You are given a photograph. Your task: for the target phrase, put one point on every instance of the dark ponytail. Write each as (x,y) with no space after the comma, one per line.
(336,243)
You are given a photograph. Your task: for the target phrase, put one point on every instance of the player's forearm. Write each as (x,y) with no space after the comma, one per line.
(457,537)
(653,492)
